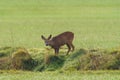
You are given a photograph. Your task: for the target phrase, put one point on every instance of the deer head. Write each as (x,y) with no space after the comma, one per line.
(48,41)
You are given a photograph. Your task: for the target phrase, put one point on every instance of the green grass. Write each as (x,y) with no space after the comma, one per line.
(95,22)
(83,75)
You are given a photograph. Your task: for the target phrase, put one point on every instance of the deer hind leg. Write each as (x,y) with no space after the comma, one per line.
(73,48)
(69,48)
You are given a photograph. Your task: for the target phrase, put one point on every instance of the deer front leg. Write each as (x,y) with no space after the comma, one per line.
(56,51)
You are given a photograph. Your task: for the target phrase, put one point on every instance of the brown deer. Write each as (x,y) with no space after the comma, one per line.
(60,40)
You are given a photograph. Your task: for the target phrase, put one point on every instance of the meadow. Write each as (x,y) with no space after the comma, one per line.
(83,75)
(95,23)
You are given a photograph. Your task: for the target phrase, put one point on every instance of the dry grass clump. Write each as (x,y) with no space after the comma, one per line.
(5,63)
(21,59)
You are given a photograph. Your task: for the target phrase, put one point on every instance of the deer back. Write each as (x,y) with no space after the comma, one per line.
(64,38)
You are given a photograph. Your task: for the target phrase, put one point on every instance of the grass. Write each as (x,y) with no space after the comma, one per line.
(44,59)
(95,22)
(83,75)
(86,35)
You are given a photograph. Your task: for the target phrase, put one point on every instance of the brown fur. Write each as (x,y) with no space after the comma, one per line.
(56,42)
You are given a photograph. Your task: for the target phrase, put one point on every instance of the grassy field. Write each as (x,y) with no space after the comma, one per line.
(95,22)
(83,75)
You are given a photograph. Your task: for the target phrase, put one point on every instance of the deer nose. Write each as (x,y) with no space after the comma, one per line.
(46,44)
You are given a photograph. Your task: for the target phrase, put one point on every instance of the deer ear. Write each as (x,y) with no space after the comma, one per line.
(43,37)
(49,37)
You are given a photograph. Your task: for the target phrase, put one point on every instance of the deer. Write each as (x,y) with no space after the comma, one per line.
(65,38)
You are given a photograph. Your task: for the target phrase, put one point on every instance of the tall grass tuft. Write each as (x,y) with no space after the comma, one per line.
(72,61)
(21,59)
